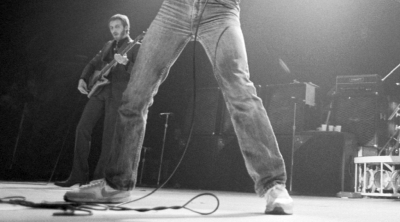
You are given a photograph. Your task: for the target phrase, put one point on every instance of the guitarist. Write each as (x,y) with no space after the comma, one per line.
(105,102)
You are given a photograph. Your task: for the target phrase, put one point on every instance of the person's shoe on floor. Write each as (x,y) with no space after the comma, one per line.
(71,182)
(97,192)
(278,201)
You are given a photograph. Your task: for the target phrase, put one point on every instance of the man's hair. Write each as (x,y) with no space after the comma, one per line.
(123,18)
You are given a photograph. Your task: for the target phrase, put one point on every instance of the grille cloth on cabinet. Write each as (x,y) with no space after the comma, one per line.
(280,108)
(361,116)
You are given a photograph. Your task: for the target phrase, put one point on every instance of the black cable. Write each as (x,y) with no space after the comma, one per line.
(79,209)
(68,208)
(184,206)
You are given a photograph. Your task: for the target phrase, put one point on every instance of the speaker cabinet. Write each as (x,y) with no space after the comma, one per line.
(322,164)
(363,116)
(283,100)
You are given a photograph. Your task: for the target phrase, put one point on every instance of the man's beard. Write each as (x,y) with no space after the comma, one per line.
(119,36)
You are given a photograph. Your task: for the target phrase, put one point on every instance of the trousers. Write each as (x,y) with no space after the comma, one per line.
(220,33)
(95,108)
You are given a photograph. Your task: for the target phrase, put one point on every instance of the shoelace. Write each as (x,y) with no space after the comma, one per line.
(92,184)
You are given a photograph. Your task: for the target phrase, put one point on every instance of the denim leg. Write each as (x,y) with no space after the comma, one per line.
(93,110)
(224,45)
(159,50)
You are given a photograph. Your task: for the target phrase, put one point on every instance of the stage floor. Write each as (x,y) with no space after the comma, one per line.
(234,206)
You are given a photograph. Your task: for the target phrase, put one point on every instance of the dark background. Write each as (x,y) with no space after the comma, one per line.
(46,43)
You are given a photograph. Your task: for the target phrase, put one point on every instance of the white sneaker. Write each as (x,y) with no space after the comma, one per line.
(278,200)
(97,192)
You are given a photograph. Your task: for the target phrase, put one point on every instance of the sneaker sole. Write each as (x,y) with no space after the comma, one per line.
(278,210)
(107,200)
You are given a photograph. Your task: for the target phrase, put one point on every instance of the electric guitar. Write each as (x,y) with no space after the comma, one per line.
(98,79)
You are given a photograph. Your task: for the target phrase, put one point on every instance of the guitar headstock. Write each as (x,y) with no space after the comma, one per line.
(140,37)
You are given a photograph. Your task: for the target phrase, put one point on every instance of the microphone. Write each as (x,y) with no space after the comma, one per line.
(162,114)
(284,66)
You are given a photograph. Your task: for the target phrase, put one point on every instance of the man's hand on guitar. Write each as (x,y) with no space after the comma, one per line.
(121,59)
(82,87)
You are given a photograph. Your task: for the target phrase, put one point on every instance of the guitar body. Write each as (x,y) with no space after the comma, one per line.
(96,81)
(97,76)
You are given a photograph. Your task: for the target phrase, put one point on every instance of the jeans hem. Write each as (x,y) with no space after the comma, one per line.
(265,189)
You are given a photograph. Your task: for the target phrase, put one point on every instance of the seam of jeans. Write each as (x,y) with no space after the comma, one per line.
(217,77)
(215,57)
(174,58)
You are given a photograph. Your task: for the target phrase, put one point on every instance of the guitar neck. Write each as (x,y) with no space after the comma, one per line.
(113,62)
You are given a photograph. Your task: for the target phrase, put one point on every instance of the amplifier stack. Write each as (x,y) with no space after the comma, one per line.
(359,85)
(361,109)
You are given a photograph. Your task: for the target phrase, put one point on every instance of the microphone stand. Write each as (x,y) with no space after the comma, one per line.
(143,162)
(293,144)
(390,73)
(163,145)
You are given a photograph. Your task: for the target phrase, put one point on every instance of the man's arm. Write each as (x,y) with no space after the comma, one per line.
(90,67)
(87,72)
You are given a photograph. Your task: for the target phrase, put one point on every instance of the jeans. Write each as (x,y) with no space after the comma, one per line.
(221,36)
